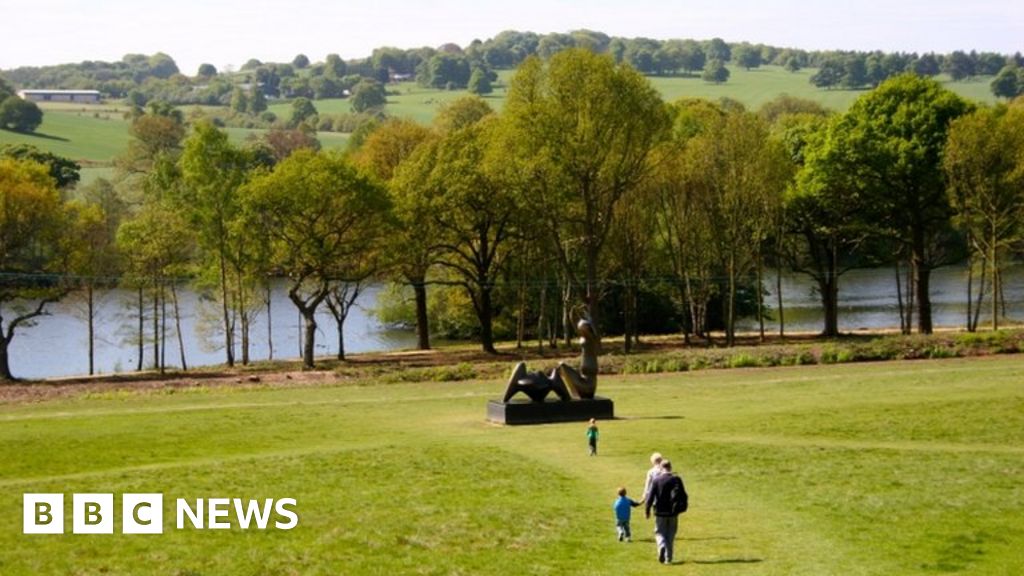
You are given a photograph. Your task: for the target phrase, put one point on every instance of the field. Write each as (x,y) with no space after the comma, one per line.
(888,468)
(94,135)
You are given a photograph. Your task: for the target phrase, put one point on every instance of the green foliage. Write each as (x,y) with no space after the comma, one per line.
(65,172)
(303,111)
(367,95)
(715,71)
(1009,83)
(479,83)
(20,115)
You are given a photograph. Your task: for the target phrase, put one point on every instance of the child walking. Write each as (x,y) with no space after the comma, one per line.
(592,437)
(623,508)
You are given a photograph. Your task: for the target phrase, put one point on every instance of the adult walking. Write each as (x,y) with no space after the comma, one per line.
(669,499)
(653,473)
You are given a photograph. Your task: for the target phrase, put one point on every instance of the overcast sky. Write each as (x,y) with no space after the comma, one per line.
(229,32)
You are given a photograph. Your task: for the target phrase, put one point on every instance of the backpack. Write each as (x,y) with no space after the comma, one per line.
(680,499)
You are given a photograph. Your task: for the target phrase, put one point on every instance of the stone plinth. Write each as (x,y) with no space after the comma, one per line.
(522,411)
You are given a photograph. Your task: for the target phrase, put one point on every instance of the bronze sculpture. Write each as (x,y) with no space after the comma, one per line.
(565,381)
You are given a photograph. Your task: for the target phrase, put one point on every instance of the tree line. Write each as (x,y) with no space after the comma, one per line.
(141,78)
(588,195)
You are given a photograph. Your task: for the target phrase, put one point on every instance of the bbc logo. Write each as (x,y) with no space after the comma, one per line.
(94,514)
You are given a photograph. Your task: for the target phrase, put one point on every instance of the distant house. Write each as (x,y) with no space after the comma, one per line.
(77,96)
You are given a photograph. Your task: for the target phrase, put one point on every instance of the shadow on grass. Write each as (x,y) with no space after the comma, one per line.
(727,561)
(709,538)
(42,136)
(669,417)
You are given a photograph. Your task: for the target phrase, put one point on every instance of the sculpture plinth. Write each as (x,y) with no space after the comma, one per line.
(520,412)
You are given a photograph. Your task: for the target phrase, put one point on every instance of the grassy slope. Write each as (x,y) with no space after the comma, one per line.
(70,132)
(894,468)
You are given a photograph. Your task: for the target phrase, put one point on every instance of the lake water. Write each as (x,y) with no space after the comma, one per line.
(57,345)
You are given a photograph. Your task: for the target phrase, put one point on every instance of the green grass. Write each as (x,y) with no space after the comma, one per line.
(889,468)
(85,134)
(96,135)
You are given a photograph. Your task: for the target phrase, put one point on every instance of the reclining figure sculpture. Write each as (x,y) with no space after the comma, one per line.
(565,381)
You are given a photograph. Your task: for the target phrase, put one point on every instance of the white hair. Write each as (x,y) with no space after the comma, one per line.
(656,458)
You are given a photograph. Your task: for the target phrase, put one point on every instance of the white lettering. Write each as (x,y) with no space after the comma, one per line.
(217,508)
(282,511)
(185,510)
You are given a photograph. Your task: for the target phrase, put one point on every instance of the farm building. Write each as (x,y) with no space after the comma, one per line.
(79,96)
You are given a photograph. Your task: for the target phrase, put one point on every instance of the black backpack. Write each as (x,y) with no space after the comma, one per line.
(680,499)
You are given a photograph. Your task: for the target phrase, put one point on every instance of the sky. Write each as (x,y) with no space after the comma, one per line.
(227,33)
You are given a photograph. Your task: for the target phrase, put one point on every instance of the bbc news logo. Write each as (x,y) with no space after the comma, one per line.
(144,513)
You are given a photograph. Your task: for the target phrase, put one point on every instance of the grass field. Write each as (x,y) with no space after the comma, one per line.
(889,468)
(95,135)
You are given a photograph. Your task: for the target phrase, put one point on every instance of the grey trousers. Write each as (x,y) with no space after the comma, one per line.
(665,528)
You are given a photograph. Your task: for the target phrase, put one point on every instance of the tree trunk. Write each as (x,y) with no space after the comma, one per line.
(309,316)
(341,339)
(486,316)
(542,315)
(270,325)
(995,280)
(981,293)
(760,295)
(778,294)
(419,288)
(229,336)
(899,300)
(91,313)
(5,365)
(156,327)
(243,315)
(142,324)
(177,326)
(730,320)
(970,284)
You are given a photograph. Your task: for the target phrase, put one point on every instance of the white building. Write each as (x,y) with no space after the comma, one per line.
(78,96)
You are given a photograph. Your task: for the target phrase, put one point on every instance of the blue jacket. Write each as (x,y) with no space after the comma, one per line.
(622,508)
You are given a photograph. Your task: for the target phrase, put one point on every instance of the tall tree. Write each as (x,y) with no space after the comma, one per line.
(895,136)
(321,216)
(475,210)
(585,129)
(212,171)
(984,162)
(411,256)
(31,226)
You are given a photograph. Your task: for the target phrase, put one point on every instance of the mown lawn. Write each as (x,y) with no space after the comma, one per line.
(890,468)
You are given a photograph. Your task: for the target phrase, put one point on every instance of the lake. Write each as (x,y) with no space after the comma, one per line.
(57,345)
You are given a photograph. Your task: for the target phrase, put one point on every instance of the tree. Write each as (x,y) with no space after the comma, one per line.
(984,162)
(827,215)
(207,71)
(334,66)
(389,154)
(303,111)
(479,83)
(239,101)
(829,74)
(461,112)
(585,129)
(747,56)
(475,212)
(445,70)
(300,61)
(162,66)
(792,64)
(20,115)
(157,245)
(368,94)
(717,49)
(212,171)
(895,137)
(958,65)
(1009,83)
(284,142)
(741,173)
(65,172)
(715,71)
(31,224)
(321,217)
